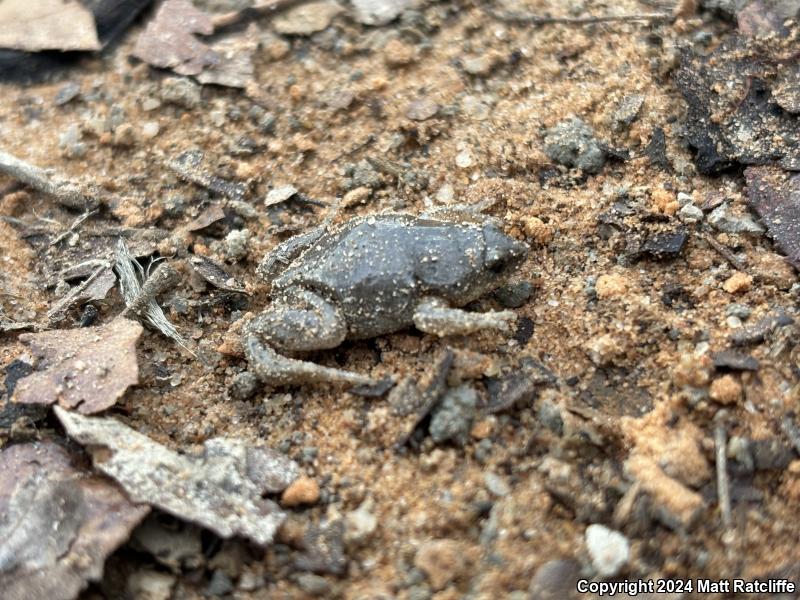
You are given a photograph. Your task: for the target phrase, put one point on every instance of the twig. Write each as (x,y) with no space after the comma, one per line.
(723,488)
(723,251)
(72,227)
(528,19)
(66,192)
(163,279)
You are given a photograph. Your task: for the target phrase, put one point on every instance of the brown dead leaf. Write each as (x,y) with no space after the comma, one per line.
(775,195)
(169,41)
(87,369)
(47,25)
(58,524)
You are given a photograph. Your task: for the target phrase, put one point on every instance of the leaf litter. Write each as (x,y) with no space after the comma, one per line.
(221,489)
(58,523)
(87,369)
(733,115)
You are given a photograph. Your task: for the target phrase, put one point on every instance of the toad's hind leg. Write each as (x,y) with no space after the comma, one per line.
(301,321)
(273,368)
(435,317)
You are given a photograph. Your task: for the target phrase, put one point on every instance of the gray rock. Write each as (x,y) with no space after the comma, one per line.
(721,219)
(313,584)
(452,419)
(627,111)
(220,584)
(514,295)
(496,484)
(572,143)
(690,213)
(243,386)
(741,311)
(549,414)
(236,244)
(555,580)
(364,174)
(180,91)
(608,549)
(378,12)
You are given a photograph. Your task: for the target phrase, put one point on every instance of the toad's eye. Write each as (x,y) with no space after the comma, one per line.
(496,261)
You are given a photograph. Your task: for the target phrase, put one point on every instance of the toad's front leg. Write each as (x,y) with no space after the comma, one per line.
(302,321)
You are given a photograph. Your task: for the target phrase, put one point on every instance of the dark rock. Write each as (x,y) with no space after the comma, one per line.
(517,387)
(524,331)
(663,245)
(734,361)
(656,150)
(515,294)
(756,334)
(775,195)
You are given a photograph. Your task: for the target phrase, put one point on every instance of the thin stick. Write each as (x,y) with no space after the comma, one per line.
(66,192)
(527,19)
(723,488)
(72,227)
(723,252)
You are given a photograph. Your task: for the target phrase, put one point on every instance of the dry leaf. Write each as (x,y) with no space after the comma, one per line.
(215,274)
(47,25)
(169,40)
(775,195)
(220,490)
(88,369)
(57,523)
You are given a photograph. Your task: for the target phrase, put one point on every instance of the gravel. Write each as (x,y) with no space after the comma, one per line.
(452,419)
(572,143)
(721,219)
(608,549)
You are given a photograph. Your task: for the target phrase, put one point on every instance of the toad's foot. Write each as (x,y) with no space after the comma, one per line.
(435,317)
(273,368)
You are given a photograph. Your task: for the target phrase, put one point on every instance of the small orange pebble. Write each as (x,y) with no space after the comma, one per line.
(738,283)
(725,390)
(303,490)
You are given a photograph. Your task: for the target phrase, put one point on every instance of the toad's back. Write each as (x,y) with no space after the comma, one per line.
(376,269)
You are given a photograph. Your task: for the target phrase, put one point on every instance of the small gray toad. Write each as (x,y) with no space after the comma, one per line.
(371,276)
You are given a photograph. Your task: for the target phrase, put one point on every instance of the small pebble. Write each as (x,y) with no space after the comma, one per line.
(180,91)
(150,103)
(67,93)
(690,213)
(741,311)
(422,109)
(496,484)
(572,143)
(608,549)
(721,219)
(303,490)
(725,390)
(243,386)
(236,244)
(738,283)
(313,585)
(452,419)
(150,129)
